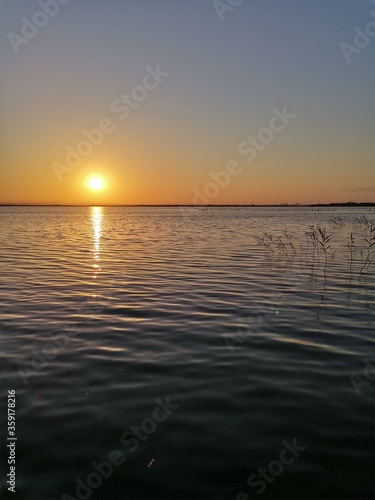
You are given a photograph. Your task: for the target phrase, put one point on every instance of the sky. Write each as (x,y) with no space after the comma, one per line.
(187,101)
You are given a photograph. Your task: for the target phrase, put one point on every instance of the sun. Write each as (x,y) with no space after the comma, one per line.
(95,183)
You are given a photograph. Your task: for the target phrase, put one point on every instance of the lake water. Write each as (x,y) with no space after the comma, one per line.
(175,338)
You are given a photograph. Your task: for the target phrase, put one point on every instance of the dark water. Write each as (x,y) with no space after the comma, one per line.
(108,313)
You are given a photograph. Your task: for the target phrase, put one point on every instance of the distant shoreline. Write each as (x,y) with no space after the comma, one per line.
(284,205)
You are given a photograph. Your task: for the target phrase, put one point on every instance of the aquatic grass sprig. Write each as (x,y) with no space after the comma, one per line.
(362,221)
(337,221)
(351,248)
(369,250)
(289,238)
(267,241)
(324,240)
(278,243)
(318,251)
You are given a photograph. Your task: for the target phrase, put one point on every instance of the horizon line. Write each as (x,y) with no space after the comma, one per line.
(348,203)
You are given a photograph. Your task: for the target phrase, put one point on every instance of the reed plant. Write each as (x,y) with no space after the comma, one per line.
(319,250)
(369,248)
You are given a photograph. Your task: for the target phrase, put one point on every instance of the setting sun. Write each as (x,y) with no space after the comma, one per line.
(95,183)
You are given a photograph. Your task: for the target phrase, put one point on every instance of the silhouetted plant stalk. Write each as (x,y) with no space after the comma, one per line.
(318,246)
(267,241)
(337,221)
(351,246)
(369,250)
(324,241)
(312,236)
(278,244)
(289,239)
(362,221)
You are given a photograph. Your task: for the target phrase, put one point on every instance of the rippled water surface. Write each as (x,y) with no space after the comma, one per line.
(108,313)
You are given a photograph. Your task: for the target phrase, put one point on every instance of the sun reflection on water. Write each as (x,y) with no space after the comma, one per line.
(96,217)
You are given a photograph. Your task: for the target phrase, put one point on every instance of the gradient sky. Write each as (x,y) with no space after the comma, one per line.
(226,77)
